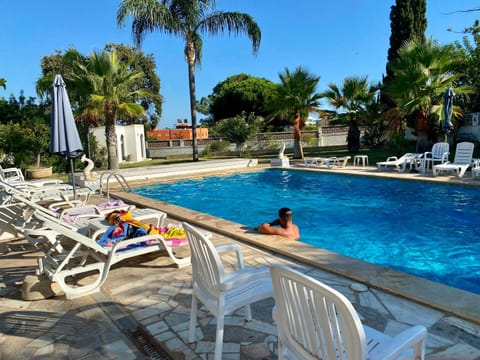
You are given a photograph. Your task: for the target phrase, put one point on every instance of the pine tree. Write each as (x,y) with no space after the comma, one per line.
(407,21)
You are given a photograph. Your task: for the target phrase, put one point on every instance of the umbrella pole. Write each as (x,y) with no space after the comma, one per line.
(72,169)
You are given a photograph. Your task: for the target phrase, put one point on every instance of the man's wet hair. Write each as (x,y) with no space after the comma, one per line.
(285,213)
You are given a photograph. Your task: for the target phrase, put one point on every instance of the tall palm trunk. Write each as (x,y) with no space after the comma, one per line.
(421,129)
(190,56)
(111,136)
(297,138)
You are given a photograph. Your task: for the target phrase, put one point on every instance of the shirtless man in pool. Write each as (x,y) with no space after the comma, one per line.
(287,228)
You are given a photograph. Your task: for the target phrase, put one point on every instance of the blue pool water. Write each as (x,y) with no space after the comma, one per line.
(424,229)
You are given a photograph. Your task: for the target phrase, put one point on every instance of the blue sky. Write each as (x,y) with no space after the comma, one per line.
(332,39)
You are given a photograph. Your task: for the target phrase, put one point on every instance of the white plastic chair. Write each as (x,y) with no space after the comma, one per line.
(461,162)
(439,154)
(221,292)
(317,322)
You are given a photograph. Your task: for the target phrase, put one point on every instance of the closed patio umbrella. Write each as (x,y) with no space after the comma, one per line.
(64,138)
(447,125)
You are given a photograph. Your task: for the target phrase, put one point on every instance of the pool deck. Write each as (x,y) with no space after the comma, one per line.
(149,301)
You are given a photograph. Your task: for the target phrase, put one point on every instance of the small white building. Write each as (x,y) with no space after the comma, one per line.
(130,142)
(470,129)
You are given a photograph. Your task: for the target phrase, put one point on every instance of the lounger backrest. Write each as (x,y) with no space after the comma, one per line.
(464,153)
(70,232)
(407,157)
(33,205)
(11,175)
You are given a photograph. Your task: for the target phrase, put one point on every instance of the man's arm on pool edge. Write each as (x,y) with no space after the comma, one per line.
(268,229)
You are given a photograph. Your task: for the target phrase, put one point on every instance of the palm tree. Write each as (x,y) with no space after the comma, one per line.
(296,97)
(355,95)
(187,19)
(108,81)
(3,83)
(422,73)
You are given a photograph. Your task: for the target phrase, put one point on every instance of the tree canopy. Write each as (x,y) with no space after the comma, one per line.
(66,64)
(110,81)
(296,97)
(469,67)
(241,94)
(353,96)
(24,131)
(422,74)
(238,129)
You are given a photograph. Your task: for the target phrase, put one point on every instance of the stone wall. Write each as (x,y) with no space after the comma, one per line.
(323,137)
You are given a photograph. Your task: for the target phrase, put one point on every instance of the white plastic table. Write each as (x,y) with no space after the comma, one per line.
(357,159)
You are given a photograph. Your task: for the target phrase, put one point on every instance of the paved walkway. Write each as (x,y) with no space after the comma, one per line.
(150,297)
(143,309)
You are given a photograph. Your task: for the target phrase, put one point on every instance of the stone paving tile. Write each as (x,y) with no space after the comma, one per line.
(256,351)
(177,321)
(119,349)
(408,311)
(267,328)
(157,327)
(456,352)
(164,336)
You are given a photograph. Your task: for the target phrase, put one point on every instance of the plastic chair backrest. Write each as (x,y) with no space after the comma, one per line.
(439,149)
(314,320)
(207,268)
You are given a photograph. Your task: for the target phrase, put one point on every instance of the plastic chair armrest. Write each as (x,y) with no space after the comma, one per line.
(402,342)
(232,247)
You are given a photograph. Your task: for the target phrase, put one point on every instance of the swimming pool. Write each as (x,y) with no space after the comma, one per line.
(420,228)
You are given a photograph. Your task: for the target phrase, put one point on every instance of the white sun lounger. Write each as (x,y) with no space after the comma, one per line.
(71,254)
(329,162)
(47,191)
(407,160)
(461,162)
(25,205)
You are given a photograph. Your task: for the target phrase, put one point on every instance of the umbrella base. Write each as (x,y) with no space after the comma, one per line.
(80,180)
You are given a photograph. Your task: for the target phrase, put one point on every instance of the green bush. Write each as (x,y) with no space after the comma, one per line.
(309,139)
(219,146)
(216,146)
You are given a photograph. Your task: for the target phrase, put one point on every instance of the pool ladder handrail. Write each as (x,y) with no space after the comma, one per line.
(120,180)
